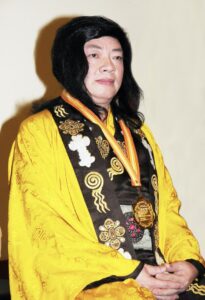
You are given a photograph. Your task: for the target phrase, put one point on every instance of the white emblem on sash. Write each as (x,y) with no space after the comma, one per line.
(79,143)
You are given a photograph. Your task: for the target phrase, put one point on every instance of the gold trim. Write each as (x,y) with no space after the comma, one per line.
(197,289)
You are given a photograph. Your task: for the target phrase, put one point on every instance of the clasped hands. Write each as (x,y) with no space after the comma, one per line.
(167,281)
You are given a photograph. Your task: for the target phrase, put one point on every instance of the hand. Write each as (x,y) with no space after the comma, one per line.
(148,278)
(182,272)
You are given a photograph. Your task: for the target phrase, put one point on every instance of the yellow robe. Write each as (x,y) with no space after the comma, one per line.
(53,248)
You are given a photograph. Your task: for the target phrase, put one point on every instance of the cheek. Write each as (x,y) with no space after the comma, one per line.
(120,73)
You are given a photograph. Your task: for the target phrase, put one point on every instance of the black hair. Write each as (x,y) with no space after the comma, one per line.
(70,64)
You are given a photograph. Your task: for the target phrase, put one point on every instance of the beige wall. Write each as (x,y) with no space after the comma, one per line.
(168,39)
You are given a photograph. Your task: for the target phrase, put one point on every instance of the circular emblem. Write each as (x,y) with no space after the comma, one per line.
(143,212)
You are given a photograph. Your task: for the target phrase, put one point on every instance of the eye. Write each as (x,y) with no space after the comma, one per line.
(118,57)
(92,55)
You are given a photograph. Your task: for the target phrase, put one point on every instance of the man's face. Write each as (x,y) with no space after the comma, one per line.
(105,72)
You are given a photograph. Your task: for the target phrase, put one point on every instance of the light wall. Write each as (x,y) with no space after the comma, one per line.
(168,40)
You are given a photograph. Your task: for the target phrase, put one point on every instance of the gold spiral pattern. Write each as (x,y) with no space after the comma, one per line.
(116,168)
(94,181)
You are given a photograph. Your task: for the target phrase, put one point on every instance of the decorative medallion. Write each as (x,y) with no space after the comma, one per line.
(112,234)
(59,110)
(79,143)
(95,181)
(71,127)
(116,168)
(103,146)
(144,213)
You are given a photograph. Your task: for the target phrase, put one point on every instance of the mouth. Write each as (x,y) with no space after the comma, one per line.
(105,81)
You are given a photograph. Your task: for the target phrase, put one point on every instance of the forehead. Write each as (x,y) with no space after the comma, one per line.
(104,42)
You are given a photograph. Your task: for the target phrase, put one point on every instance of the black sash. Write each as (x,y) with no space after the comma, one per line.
(104,182)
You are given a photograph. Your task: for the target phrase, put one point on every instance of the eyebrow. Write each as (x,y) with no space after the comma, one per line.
(98,47)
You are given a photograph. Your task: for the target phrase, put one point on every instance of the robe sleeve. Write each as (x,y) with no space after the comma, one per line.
(51,254)
(180,242)
(176,241)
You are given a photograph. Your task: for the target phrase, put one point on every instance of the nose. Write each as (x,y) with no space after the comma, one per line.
(107,65)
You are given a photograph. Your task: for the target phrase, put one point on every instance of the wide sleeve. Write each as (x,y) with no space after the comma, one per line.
(180,242)
(52,254)
(176,240)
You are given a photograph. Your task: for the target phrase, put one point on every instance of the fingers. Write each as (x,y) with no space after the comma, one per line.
(169,276)
(165,292)
(154,270)
(164,284)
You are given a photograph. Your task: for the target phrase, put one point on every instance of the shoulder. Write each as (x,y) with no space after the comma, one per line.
(39,127)
(37,120)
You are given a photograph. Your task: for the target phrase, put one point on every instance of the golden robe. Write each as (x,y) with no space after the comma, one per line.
(53,248)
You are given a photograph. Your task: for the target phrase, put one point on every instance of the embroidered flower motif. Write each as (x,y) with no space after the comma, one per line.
(112,233)
(136,233)
(124,253)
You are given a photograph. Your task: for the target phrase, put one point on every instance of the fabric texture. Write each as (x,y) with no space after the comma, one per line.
(53,248)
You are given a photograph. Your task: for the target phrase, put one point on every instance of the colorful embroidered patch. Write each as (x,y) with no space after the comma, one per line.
(135,232)
(112,233)
(95,182)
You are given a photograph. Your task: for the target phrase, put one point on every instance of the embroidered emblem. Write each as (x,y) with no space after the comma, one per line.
(103,146)
(135,232)
(144,213)
(197,289)
(71,127)
(112,234)
(116,168)
(79,143)
(147,146)
(95,181)
(59,110)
